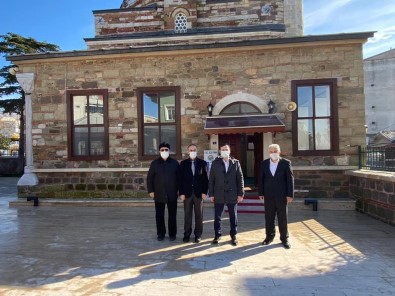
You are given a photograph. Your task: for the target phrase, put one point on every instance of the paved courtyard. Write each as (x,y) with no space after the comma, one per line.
(71,250)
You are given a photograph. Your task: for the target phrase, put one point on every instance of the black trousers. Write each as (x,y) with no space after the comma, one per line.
(219,209)
(193,205)
(276,207)
(160,218)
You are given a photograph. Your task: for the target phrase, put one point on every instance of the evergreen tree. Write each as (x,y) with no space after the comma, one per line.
(12,96)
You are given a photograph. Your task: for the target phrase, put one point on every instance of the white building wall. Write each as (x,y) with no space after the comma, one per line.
(379,95)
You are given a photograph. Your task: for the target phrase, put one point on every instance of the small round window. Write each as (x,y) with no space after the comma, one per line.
(180,23)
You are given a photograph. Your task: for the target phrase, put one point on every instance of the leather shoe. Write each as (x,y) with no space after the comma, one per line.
(267,241)
(161,237)
(185,239)
(234,241)
(172,238)
(216,239)
(197,239)
(286,245)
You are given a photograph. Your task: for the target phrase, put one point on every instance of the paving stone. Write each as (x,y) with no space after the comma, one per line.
(75,250)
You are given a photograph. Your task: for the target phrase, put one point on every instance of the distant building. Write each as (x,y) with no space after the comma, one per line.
(9,124)
(9,127)
(380,93)
(383,138)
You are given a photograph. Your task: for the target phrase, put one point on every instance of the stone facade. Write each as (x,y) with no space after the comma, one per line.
(375,194)
(145,23)
(159,15)
(242,51)
(321,183)
(203,78)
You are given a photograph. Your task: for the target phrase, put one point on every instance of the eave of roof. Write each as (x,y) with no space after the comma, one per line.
(235,124)
(360,36)
(191,32)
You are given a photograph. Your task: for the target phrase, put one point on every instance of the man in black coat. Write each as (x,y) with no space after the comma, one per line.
(162,184)
(193,189)
(276,188)
(226,186)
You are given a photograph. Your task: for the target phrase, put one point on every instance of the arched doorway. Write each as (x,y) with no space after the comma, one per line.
(241,121)
(246,147)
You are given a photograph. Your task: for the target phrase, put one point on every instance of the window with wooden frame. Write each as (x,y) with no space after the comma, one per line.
(315,121)
(87,128)
(159,120)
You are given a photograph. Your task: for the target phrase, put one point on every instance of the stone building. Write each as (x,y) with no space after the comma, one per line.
(153,67)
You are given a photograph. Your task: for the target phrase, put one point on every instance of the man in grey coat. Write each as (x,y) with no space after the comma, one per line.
(226,186)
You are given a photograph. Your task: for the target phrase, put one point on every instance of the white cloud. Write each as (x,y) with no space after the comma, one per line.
(341,16)
(324,13)
(384,34)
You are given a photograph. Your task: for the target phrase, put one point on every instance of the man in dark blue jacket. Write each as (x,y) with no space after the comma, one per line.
(193,189)
(162,185)
(276,188)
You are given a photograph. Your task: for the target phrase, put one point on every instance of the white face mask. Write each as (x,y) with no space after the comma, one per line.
(192,154)
(225,154)
(274,156)
(164,154)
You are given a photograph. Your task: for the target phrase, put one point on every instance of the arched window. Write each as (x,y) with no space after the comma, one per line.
(240,108)
(180,23)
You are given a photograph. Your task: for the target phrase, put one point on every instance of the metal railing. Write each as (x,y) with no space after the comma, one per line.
(377,158)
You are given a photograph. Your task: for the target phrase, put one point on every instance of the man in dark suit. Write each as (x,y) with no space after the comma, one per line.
(276,188)
(226,186)
(193,189)
(162,185)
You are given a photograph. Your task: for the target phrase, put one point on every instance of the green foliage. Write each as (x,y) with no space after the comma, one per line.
(14,44)
(4,142)
(12,96)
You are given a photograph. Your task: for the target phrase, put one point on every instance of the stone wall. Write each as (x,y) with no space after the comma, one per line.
(203,77)
(321,183)
(11,165)
(330,184)
(375,193)
(126,22)
(98,184)
(200,14)
(243,13)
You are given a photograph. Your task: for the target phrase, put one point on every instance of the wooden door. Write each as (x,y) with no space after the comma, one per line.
(234,141)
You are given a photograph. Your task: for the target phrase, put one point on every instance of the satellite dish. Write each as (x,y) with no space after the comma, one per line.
(291,106)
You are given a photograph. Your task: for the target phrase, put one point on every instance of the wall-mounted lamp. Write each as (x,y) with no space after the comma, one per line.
(13,70)
(210,108)
(272,107)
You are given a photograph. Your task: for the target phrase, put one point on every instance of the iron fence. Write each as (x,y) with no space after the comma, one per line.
(377,158)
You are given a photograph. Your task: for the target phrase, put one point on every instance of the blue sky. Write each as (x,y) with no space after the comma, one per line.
(345,16)
(67,22)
